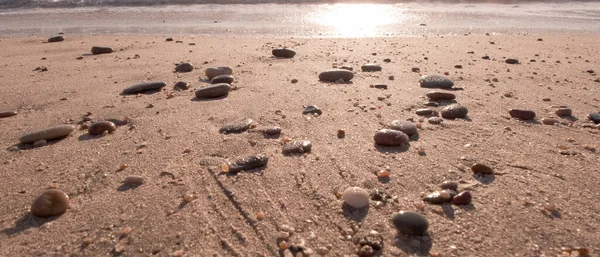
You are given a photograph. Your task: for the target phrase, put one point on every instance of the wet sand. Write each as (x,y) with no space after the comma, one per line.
(176,146)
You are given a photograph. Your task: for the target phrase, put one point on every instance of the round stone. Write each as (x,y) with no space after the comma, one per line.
(216,71)
(463,198)
(283,53)
(595,117)
(184,67)
(213,91)
(99,127)
(435,81)
(181,85)
(145,86)
(482,169)
(390,137)
(370,67)
(522,114)
(455,111)
(356,197)
(47,134)
(101,50)
(407,127)
(440,96)
(411,223)
(335,75)
(564,112)
(56,39)
(51,202)
(228,79)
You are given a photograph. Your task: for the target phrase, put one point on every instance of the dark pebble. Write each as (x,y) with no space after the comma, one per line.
(485,57)
(184,67)
(458,66)
(169,39)
(51,202)
(512,61)
(146,86)
(407,127)
(482,169)
(455,111)
(440,197)
(213,91)
(247,163)
(411,223)
(440,96)
(381,86)
(181,85)
(387,60)
(335,75)
(435,81)
(56,39)
(99,127)
(415,69)
(595,117)
(283,53)
(390,137)
(297,146)
(311,109)
(237,126)
(7,114)
(522,114)
(228,79)
(563,112)
(216,71)
(101,50)
(463,198)
(370,67)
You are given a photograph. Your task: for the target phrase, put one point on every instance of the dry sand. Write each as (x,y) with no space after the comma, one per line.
(176,146)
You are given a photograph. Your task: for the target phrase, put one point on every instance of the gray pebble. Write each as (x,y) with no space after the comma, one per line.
(411,223)
(595,117)
(99,127)
(440,96)
(134,180)
(407,127)
(47,134)
(335,75)
(101,50)
(237,126)
(522,114)
(283,53)
(213,72)
(435,81)
(228,79)
(390,137)
(184,67)
(145,86)
(455,111)
(213,91)
(512,61)
(370,67)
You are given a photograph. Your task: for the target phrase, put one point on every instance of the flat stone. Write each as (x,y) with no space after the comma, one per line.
(407,127)
(563,112)
(51,202)
(312,109)
(440,96)
(145,86)
(335,75)
(246,163)
(424,112)
(390,137)
(101,50)
(269,130)
(184,67)
(6,114)
(227,79)
(99,127)
(595,117)
(213,91)
(482,169)
(56,39)
(522,114)
(181,85)
(283,53)
(297,147)
(356,197)
(512,61)
(411,223)
(455,111)
(370,67)
(237,126)
(216,71)
(47,134)
(435,81)
(550,121)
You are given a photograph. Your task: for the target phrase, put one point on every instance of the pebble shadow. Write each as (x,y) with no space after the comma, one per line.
(86,137)
(354,214)
(570,118)
(255,170)
(22,146)
(485,179)
(414,137)
(125,187)
(392,149)
(448,210)
(536,122)
(414,245)
(26,222)
(196,99)
(146,92)
(468,207)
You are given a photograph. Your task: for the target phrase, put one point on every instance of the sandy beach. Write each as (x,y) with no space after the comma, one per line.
(540,201)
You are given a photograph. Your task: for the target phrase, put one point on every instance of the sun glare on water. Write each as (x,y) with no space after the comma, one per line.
(357,20)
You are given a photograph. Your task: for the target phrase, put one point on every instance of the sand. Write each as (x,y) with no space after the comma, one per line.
(177,148)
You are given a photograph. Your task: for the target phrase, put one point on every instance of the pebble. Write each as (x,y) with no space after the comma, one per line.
(51,202)
(485,57)
(463,198)
(294,81)
(283,53)
(270,131)
(440,96)
(237,126)
(411,223)
(134,180)
(47,134)
(595,117)
(512,61)
(550,121)
(169,39)
(246,163)
(522,114)
(181,85)
(415,69)
(455,111)
(297,147)
(440,197)
(379,195)
(435,120)
(56,39)
(366,251)
(144,86)
(564,112)
(370,67)
(424,112)
(482,169)
(356,197)
(451,185)
(335,75)
(431,104)
(435,81)
(381,86)
(213,91)
(101,50)
(228,79)
(346,67)
(390,137)
(40,143)
(407,127)
(184,67)
(99,127)
(216,71)
(7,114)
(312,109)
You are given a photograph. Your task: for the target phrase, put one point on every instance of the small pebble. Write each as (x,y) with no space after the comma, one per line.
(297,147)
(51,202)
(563,112)
(56,39)
(7,114)
(522,114)
(341,133)
(390,137)
(237,126)
(411,223)
(99,127)
(482,169)
(181,85)
(407,127)
(283,53)
(312,109)
(335,75)
(440,197)
(184,67)
(451,185)
(227,79)
(213,91)
(435,120)
(133,180)
(463,198)
(424,112)
(435,81)
(512,61)
(47,134)
(216,71)
(595,117)
(370,67)
(356,197)
(145,86)
(440,96)
(550,121)
(101,50)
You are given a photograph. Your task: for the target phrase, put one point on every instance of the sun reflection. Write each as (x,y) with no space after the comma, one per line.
(357,20)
